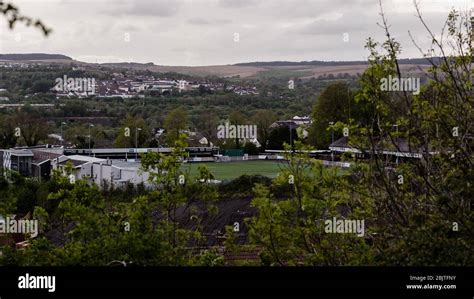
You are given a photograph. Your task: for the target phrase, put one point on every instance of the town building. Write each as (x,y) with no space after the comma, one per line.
(115,167)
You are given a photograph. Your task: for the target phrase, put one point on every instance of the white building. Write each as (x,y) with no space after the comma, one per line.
(103,172)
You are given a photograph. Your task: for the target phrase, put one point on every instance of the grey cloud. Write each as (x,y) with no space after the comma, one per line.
(237,3)
(197,32)
(314,9)
(130,28)
(208,21)
(339,26)
(156,8)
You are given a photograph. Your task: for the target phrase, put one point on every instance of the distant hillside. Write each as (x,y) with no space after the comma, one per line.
(128,64)
(415,61)
(34,56)
(252,70)
(276,69)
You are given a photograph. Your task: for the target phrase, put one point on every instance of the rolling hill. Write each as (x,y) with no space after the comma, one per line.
(250,70)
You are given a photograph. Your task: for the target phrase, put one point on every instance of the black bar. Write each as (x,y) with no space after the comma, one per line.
(242,282)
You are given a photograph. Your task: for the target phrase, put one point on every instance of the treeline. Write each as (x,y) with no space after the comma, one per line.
(416,61)
(33,56)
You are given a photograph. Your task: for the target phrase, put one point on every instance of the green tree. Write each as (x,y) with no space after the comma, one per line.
(263,119)
(207,125)
(281,135)
(292,231)
(142,231)
(78,135)
(175,122)
(42,86)
(236,118)
(33,127)
(7,132)
(177,191)
(422,200)
(333,105)
(418,211)
(133,130)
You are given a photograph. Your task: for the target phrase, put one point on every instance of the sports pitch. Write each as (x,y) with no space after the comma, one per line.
(232,170)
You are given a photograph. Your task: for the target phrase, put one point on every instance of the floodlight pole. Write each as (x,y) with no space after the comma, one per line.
(90,126)
(136,142)
(62,123)
(332,139)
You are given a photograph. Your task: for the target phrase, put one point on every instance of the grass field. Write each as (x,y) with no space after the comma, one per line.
(232,170)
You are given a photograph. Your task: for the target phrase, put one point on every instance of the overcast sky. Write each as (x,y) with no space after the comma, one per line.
(210,32)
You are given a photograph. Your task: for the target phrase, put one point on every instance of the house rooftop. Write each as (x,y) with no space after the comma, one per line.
(20,152)
(392,146)
(126,165)
(75,163)
(40,156)
(396,144)
(86,159)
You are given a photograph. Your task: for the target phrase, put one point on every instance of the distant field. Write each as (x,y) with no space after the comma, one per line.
(248,71)
(281,73)
(232,170)
(406,69)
